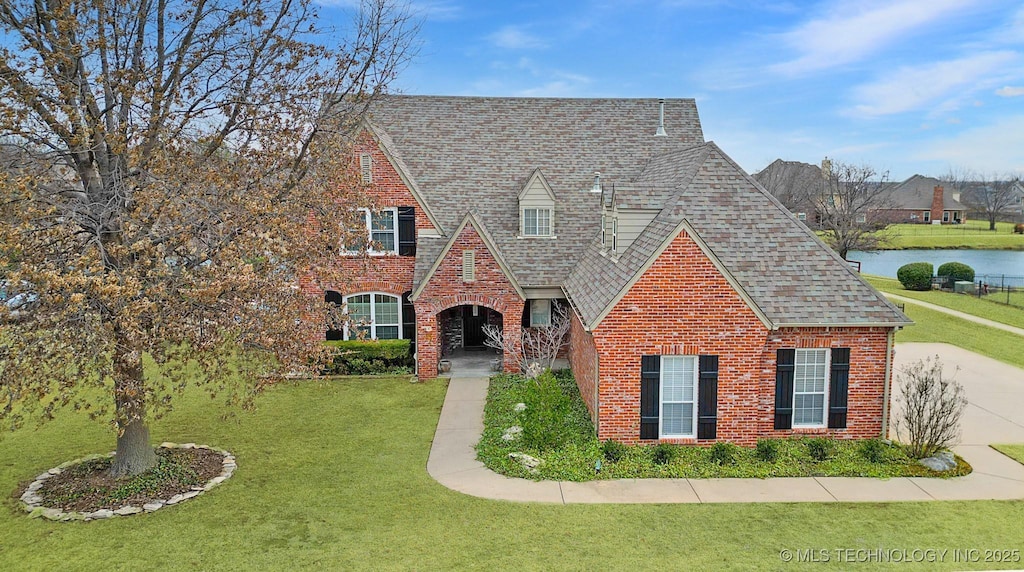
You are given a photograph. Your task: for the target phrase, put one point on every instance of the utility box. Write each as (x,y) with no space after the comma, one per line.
(963,287)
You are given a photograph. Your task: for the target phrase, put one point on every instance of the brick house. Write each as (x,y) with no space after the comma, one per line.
(702,309)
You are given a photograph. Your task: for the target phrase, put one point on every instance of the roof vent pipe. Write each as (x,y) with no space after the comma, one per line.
(661,119)
(597,182)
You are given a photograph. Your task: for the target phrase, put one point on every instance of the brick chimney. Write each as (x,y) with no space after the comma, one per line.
(937,204)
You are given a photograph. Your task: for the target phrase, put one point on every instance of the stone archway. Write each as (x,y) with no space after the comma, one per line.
(441,324)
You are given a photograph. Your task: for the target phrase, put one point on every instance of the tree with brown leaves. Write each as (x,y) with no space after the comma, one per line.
(172,168)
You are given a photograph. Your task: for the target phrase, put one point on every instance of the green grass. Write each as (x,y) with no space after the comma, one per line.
(935,326)
(577,456)
(331,475)
(973,234)
(981,307)
(1015,452)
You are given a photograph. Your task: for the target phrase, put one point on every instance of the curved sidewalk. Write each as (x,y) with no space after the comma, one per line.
(957,313)
(452,462)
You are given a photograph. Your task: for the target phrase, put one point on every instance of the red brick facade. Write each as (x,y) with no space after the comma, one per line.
(584,361)
(446,288)
(663,315)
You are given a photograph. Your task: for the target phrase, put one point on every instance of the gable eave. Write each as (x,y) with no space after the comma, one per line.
(535,176)
(470,218)
(733,283)
(406,178)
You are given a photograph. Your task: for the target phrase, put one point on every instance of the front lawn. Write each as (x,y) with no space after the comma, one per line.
(575,454)
(332,475)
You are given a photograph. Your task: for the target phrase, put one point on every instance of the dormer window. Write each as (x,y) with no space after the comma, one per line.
(536,222)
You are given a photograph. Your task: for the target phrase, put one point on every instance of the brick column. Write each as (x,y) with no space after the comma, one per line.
(427,343)
(511,324)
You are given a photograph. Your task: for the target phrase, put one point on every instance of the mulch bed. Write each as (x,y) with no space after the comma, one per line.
(88,487)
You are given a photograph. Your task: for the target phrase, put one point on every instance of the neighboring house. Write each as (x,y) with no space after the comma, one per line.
(702,310)
(924,200)
(796,185)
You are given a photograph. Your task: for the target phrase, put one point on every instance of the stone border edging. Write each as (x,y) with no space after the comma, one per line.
(32,502)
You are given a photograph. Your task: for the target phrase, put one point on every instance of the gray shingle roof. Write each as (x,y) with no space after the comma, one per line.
(475,154)
(916,194)
(788,274)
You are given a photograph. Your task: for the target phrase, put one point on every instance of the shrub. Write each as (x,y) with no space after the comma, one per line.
(819,448)
(931,408)
(873,450)
(722,453)
(613,451)
(367,357)
(663,453)
(916,275)
(547,407)
(1018,228)
(767,450)
(956,271)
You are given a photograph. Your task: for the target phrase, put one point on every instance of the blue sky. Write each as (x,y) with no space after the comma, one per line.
(906,86)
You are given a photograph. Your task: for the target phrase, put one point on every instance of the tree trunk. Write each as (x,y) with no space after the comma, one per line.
(992,223)
(134,453)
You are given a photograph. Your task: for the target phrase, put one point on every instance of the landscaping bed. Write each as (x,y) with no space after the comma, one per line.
(87,486)
(559,433)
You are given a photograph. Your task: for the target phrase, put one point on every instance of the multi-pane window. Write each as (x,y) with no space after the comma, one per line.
(810,380)
(381,230)
(536,222)
(678,396)
(373,316)
(540,313)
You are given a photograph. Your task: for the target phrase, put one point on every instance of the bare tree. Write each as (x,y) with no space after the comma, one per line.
(991,196)
(184,167)
(931,408)
(854,207)
(533,349)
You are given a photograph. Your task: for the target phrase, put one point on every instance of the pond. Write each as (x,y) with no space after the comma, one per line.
(993,262)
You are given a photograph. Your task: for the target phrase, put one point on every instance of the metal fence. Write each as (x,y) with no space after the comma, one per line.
(1000,288)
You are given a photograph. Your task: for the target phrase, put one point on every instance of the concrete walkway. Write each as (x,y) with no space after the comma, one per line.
(996,414)
(958,314)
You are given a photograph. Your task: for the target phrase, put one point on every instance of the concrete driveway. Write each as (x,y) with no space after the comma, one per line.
(995,391)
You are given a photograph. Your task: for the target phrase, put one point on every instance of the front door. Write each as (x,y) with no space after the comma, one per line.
(473,319)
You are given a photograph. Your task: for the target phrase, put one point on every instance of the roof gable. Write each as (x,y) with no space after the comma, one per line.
(533,184)
(469,220)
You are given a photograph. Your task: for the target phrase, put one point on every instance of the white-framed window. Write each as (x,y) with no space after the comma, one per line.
(801,216)
(927,216)
(678,411)
(536,222)
(381,230)
(540,313)
(945,216)
(373,316)
(862,218)
(810,387)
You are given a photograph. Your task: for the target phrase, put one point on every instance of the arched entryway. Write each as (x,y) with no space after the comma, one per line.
(464,327)
(455,330)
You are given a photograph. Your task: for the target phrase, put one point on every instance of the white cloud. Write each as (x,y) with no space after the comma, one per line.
(914,87)
(1010,91)
(515,38)
(993,148)
(851,31)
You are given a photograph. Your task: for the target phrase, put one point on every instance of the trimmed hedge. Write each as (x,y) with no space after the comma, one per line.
(370,357)
(956,271)
(916,275)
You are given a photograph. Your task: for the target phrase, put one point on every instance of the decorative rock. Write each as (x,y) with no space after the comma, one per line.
(527,461)
(100,514)
(52,513)
(43,477)
(941,462)
(187,446)
(151,506)
(175,499)
(191,494)
(126,510)
(519,407)
(56,471)
(512,433)
(168,445)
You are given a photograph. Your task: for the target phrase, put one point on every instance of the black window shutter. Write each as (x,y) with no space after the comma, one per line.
(409,320)
(407,231)
(838,388)
(785,361)
(650,395)
(526,314)
(332,297)
(707,395)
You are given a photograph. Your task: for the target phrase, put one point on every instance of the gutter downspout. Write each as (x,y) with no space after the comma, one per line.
(888,382)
